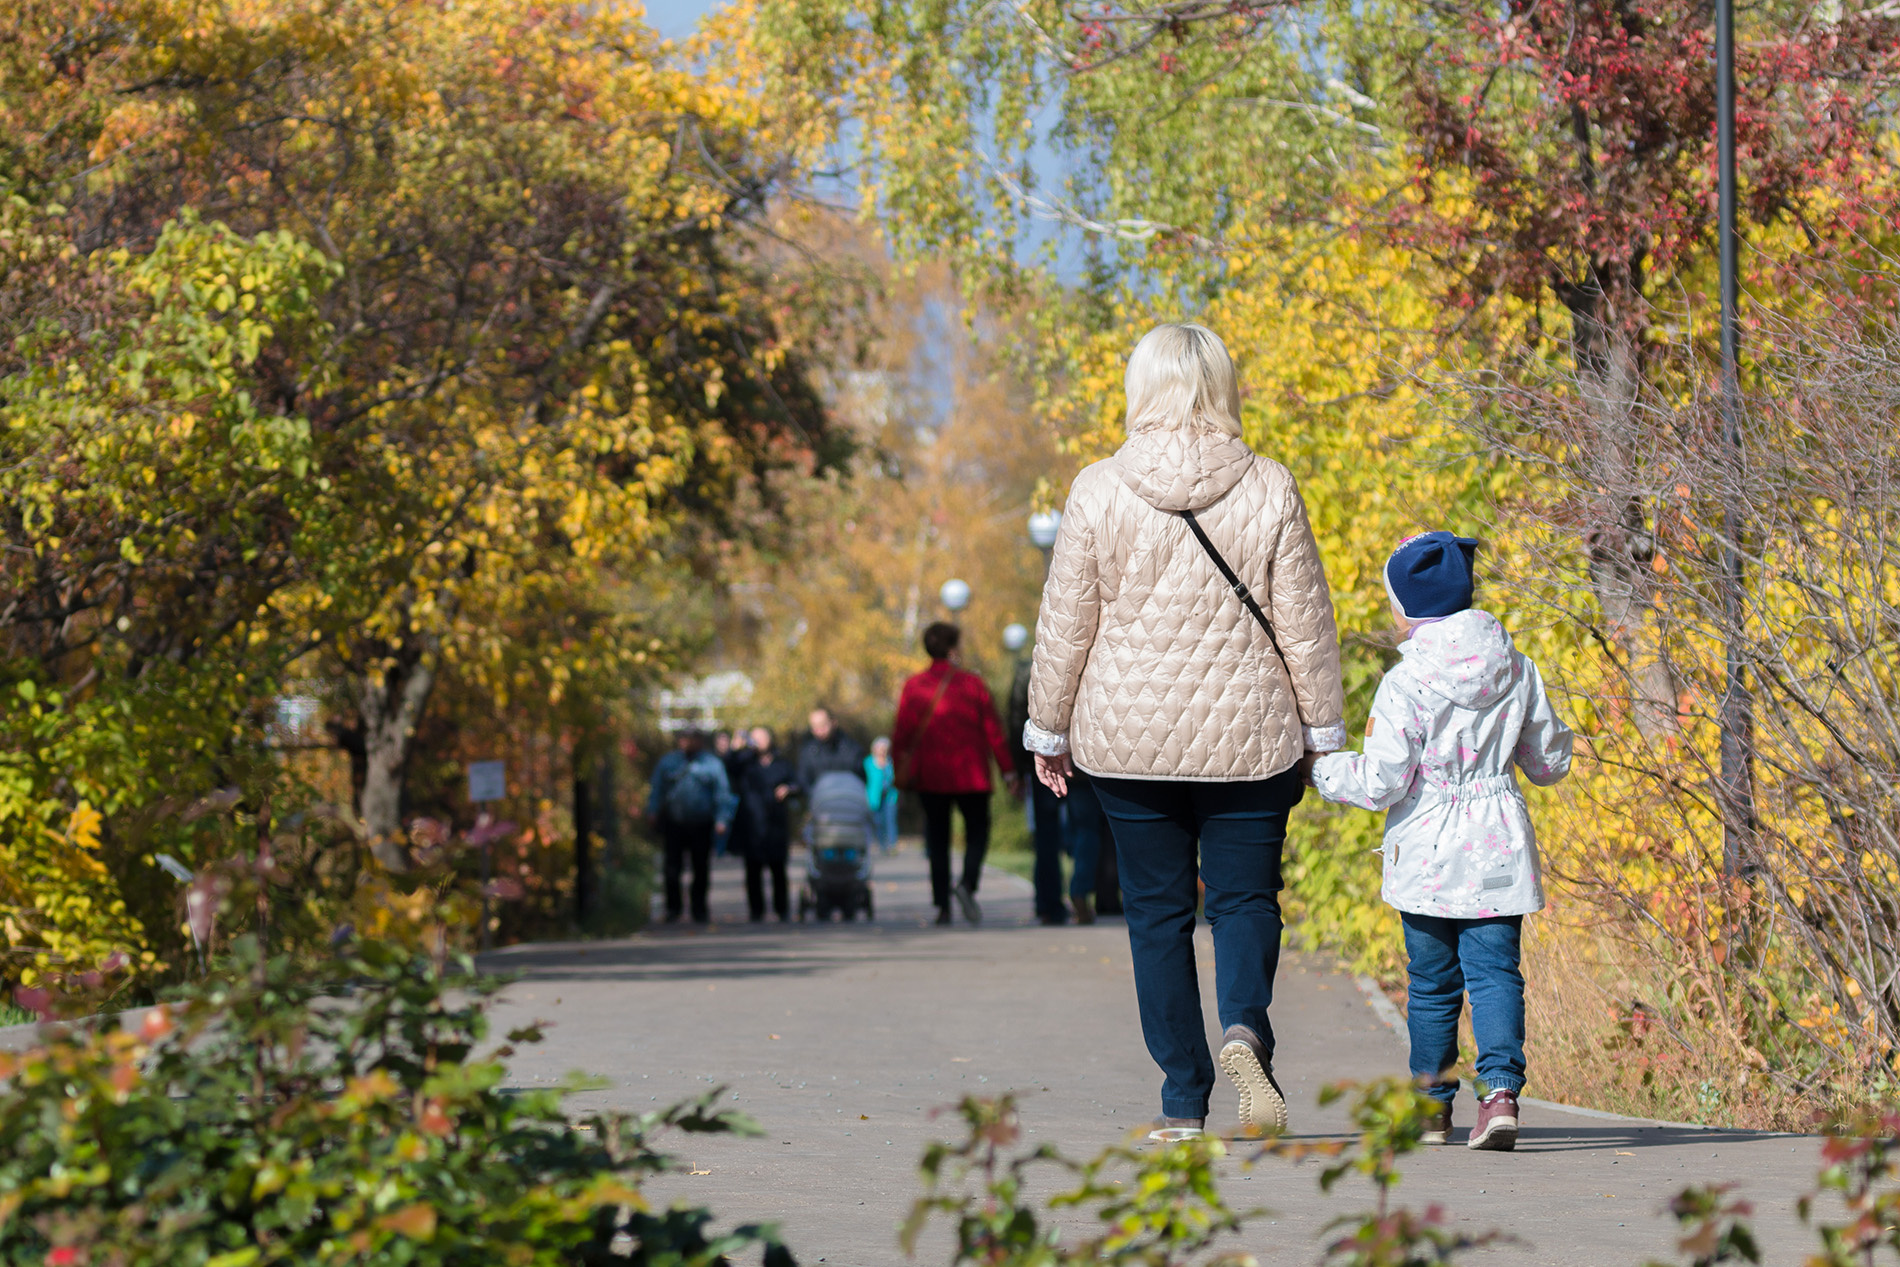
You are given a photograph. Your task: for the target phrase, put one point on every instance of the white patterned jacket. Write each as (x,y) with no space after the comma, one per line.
(1450,724)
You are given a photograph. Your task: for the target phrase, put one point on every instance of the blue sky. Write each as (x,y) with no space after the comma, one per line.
(675,18)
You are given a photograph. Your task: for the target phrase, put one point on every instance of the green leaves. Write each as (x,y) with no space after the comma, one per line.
(1154,1207)
(340,1117)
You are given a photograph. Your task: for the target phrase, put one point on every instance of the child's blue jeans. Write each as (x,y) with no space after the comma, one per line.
(1448,958)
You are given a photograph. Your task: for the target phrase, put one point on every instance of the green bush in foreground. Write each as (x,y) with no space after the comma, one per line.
(1162,1207)
(275,1117)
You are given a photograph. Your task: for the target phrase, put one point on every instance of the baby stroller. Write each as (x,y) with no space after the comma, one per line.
(838,839)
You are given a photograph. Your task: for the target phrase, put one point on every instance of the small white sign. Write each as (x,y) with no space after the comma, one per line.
(487,781)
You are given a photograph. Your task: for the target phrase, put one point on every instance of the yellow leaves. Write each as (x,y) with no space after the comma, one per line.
(369,1088)
(82,827)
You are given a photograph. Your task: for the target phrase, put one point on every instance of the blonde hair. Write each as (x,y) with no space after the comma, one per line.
(1180,376)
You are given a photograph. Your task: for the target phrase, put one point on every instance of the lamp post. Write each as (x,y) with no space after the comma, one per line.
(1043,527)
(955,595)
(1738,809)
(1015,637)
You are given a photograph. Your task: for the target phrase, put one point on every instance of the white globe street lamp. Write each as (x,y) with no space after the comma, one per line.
(955,595)
(1015,638)
(1043,527)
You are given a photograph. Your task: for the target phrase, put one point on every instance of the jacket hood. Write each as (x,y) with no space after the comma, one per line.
(1182,470)
(1468,658)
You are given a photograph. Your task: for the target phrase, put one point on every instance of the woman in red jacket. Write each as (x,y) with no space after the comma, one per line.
(946,732)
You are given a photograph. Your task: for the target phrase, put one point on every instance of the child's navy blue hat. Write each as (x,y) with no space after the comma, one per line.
(1430,575)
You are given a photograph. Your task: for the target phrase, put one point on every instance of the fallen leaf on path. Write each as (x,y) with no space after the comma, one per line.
(864,1117)
(1621,1153)
(961,1060)
(773,1037)
(696,1171)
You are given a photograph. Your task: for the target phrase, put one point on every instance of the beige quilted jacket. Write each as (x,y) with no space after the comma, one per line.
(1147,665)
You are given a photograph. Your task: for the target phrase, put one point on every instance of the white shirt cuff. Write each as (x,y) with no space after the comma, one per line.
(1046,743)
(1326,738)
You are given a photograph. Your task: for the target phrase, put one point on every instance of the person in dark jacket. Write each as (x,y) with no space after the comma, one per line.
(737,756)
(827,748)
(947,729)
(1069,824)
(766,784)
(691,803)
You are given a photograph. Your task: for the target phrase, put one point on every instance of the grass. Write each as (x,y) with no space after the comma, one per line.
(13,1014)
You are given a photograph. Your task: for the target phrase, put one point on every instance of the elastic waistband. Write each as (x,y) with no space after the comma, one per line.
(1471,789)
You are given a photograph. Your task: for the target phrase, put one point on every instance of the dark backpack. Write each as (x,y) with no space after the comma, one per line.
(691,799)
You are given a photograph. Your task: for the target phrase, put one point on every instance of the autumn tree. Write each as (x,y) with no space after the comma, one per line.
(1465,256)
(385,336)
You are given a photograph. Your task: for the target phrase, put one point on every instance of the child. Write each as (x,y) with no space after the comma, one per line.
(880,789)
(1448,724)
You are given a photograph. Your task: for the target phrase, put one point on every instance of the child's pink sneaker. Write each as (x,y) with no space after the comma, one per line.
(1496,1130)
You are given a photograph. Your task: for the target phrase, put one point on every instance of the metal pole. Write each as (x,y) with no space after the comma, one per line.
(1738,809)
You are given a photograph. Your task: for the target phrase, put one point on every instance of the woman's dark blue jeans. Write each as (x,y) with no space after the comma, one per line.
(1447,959)
(1231,834)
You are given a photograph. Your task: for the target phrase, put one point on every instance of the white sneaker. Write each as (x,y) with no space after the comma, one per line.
(1172,1130)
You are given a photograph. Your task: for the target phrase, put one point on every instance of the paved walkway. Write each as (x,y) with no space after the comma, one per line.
(844,1040)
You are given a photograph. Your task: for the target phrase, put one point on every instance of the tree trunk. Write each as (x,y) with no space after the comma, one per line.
(1621,542)
(390,700)
(583,842)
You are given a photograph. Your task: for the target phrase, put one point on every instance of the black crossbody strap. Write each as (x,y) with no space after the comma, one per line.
(1238,586)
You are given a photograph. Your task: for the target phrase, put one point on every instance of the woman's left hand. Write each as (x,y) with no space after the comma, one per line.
(1054,772)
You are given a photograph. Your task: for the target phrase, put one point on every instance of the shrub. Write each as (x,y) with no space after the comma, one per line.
(272,1116)
(1164,1210)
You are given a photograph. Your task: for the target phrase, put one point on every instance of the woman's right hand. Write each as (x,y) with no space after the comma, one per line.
(1055,772)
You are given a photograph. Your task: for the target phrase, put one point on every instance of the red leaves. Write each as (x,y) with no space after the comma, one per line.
(1580,138)
(434,1120)
(35,999)
(157,1024)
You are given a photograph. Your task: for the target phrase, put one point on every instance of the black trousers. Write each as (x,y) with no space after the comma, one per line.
(975,807)
(684,841)
(755,869)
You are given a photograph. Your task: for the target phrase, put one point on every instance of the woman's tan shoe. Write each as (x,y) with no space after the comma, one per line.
(1242,1059)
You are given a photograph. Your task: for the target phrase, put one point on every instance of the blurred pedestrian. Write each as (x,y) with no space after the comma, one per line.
(691,803)
(947,732)
(766,784)
(1186,657)
(1070,824)
(880,792)
(737,755)
(826,748)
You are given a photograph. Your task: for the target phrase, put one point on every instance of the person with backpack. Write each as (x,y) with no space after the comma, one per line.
(691,803)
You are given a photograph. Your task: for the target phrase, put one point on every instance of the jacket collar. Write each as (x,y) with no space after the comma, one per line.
(1182,470)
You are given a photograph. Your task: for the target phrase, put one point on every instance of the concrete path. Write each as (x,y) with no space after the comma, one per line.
(845,1040)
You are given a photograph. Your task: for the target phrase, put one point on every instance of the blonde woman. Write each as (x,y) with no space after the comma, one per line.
(1186,659)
